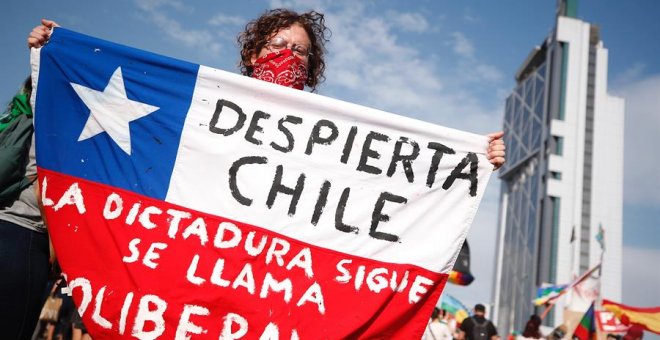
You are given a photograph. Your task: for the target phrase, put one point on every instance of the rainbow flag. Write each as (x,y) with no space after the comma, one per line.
(460,274)
(586,329)
(647,318)
(454,306)
(548,292)
(459,278)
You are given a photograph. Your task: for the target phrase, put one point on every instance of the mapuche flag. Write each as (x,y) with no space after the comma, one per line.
(184,201)
(586,329)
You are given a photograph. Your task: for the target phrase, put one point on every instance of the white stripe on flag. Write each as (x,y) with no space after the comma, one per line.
(430,225)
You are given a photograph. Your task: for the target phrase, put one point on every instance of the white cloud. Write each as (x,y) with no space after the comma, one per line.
(156,12)
(469,16)
(461,45)
(300,5)
(150,5)
(629,76)
(641,278)
(488,72)
(366,49)
(221,19)
(191,38)
(409,22)
(642,127)
(471,69)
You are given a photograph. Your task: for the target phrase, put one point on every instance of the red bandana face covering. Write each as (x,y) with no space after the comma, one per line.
(282,68)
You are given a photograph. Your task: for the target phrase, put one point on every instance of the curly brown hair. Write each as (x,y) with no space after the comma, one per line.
(257,32)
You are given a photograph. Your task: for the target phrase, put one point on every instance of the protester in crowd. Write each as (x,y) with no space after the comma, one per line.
(533,328)
(453,325)
(24,251)
(437,327)
(50,312)
(64,328)
(635,332)
(55,318)
(79,330)
(558,333)
(477,327)
(286,48)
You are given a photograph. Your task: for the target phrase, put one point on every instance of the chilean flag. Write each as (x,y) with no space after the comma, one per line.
(186,202)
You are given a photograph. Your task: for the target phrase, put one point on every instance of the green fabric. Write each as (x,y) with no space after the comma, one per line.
(15,140)
(18,107)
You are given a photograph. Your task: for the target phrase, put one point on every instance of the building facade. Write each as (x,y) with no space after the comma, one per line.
(563,179)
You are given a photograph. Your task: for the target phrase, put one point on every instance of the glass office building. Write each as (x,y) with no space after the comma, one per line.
(563,178)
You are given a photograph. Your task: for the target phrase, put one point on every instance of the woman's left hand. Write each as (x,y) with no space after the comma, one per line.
(496,149)
(40,34)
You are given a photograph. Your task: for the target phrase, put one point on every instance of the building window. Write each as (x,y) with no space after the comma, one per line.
(561,114)
(556,175)
(555,206)
(557,145)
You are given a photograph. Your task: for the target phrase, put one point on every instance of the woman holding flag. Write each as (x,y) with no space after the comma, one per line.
(286,48)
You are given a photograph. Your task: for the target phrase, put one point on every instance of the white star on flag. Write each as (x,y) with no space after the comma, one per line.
(111,111)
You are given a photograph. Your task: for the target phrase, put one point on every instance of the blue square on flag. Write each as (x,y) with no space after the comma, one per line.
(147,95)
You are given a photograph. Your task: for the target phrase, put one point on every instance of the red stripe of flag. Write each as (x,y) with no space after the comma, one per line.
(132,270)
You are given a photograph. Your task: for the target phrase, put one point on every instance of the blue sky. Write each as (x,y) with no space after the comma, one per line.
(447,62)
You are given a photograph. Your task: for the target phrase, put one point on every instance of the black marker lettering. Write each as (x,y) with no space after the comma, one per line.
(254,127)
(315,136)
(289,136)
(240,120)
(471,159)
(233,171)
(440,150)
(367,153)
(279,187)
(406,160)
(339,214)
(378,216)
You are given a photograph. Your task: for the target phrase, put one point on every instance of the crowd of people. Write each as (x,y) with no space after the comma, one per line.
(444,326)
(281,46)
(59,318)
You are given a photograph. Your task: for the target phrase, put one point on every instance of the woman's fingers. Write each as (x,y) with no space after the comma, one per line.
(40,34)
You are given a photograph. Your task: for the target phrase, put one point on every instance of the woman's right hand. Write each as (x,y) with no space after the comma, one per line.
(40,34)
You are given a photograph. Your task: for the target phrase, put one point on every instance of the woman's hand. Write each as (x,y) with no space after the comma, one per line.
(496,149)
(40,34)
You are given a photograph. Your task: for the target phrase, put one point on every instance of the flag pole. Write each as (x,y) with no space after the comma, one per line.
(597,305)
(575,265)
(599,300)
(546,311)
(568,288)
